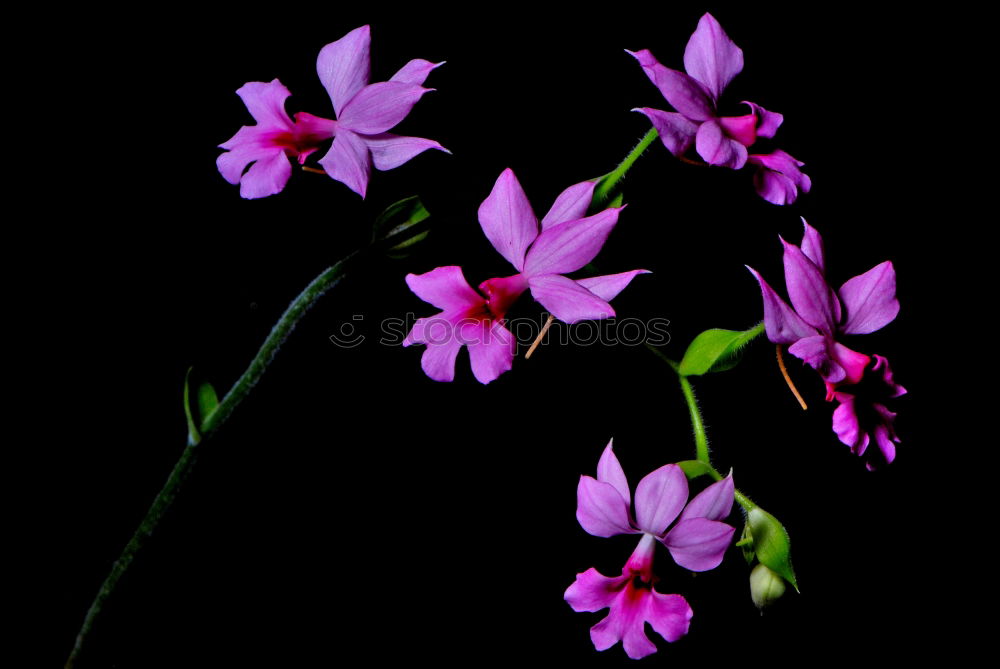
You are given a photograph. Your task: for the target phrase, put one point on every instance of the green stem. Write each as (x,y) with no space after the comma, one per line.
(608,183)
(279,333)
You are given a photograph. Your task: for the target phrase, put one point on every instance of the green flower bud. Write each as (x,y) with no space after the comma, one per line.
(766,586)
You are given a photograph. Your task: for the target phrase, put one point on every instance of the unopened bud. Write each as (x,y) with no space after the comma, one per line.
(766,586)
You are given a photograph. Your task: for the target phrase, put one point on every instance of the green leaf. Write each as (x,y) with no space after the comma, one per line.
(207,400)
(694,468)
(771,543)
(405,250)
(193,436)
(617,200)
(398,218)
(716,350)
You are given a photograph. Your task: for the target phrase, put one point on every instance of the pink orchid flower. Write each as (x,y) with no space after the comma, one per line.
(364,113)
(697,542)
(568,240)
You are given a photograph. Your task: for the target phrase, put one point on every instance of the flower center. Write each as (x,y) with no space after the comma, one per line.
(502,293)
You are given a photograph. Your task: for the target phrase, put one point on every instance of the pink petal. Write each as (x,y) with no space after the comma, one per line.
(815,352)
(572,204)
(266,103)
(567,300)
(415,72)
(852,362)
(669,615)
(493,353)
(846,425)
(659,497)
(634,640)
(676,132)
(390,151)
(609,631)
(870,300)
(592,591)
(779,179)
(378,107)
(607,286)
(782,324)
(343,66)
(884,438)
(775,187)
(244,148)
(266,177)
(714,502)
(347,161)
(699,544)
(686,95)
(507,219)
(609,470)
(436,329)
(711,57)
(600,509)
(767,121)
(438,361)
(568,246)
(445,288)
(716,148)
(812,246)
(808,291)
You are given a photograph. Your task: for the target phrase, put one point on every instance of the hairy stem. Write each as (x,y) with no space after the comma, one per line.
(608,183)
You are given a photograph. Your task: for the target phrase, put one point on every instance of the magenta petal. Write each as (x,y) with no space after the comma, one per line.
(808,291)
(716,148)
(567,300)
(714,502)
(711,57)
(893,389)
(812,246)
(266,103)
(600,509)
(415,72)
(438,360)
(343,66)
(572,204)
(445,288)
(778,178)
(669,615)
(686,95)
(659,497)
(852,362)
(846,425)
(775,187)
(347,161)
(782,324)
(635,643)
(885,441)
(245,147)
(815,352)
(870,300)
(507,219)
(266,177)
(609,470)
(767,121)
(378,107)
(608,286)
(493,352)
(592,591)
(390,151)
(568,246)
(676,132)
(699,544)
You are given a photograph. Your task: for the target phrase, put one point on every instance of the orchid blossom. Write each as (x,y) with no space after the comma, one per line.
(863,417)
(820,316)
(568,240)
(364,113)
(697,541)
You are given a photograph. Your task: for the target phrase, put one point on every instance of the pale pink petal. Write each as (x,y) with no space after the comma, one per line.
(592,591)
(378,107)
(669,615)
(568,246)
(445,288)
(507,219)
(347,161)
(607,286)
(699,544)
(687,95)
(676,132)
(244,149)
(659,497)
(870,300)
(572,204)
(343,66)
(808,291)
(493,353)
(782,324)
(567,300)
(266,177)
(716,148)
(711,57)
(609,470)
(714,502)
(415,72)
(438,361)
(390,151)
(266,103)
(767,121)
(600,509)
(812,246)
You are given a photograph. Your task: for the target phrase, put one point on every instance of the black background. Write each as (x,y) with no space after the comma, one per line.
(354,508)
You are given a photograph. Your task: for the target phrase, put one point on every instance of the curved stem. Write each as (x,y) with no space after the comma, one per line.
(608,183)
(279,333)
